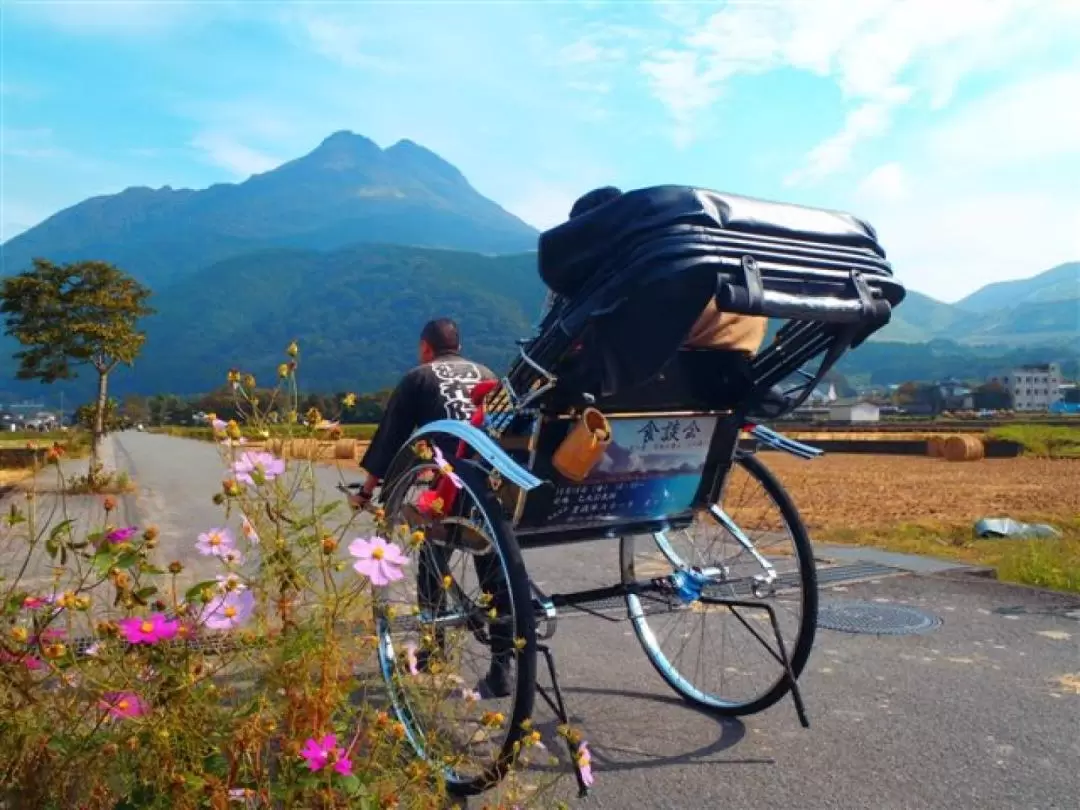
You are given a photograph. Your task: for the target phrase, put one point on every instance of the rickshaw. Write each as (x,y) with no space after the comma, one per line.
(606,427)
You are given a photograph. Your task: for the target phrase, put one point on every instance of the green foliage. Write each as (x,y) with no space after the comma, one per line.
(1046,441)
(86,416)
(70,315)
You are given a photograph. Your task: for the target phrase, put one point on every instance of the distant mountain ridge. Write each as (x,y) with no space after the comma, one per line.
(346,191)
(1044,308)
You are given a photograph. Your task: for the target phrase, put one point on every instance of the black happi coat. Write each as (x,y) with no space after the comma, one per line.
(440,389)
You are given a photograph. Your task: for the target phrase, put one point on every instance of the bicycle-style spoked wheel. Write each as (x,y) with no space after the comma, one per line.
(700,646)
(457,635)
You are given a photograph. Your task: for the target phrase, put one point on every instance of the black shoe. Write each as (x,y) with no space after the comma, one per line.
(496,684)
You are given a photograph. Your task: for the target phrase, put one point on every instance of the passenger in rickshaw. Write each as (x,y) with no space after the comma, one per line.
(439,388)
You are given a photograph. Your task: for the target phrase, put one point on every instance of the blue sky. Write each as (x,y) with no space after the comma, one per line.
(952,126)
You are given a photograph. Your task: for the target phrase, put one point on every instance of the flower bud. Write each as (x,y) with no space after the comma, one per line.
(283,370)
(293,349)
(329,544)
(175,567)
(109,503)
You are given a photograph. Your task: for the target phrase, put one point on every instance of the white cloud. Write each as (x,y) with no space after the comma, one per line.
(1037,118)
(870,49)
(989,195)
(224,151)
(887,183)
(587,50)
(341,40)
(834,153)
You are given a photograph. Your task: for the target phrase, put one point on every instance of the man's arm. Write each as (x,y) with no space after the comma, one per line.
(397,424)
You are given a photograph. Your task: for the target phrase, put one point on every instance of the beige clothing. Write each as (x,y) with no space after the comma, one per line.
(727,331)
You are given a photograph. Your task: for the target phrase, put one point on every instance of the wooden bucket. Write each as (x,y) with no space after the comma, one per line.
(964,447)
(345,449)
(583,446)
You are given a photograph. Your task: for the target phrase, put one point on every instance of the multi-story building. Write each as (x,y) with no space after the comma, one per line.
(1033,387)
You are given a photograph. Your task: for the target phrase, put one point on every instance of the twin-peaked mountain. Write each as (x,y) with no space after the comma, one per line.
(351,248)
(346,191)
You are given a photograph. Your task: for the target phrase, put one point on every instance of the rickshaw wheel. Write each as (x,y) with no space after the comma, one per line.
(467,734)
(742,678)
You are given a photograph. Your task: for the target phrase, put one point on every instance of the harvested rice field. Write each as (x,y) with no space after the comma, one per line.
(868,491)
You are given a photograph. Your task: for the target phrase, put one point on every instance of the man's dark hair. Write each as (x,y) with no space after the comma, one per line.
(441,335)
(595,198)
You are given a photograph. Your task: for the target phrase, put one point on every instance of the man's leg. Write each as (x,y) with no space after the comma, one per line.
(489,572)
(432,566)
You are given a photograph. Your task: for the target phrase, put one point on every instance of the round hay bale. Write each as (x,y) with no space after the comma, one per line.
(345,449)
(935,446)
(275,446)
(964,447)
(307,449)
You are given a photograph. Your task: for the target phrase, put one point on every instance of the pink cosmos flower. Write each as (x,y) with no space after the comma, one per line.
(121,535)
(230,582)
(232,556)
(584,761)
(148,629)
(248,530)
(215,542)
(377,560)
(258,467)
(31,662)
(34,602)
(219,425)
(123,705)
(410,658)
(320,753)
(230,610)
(446,469)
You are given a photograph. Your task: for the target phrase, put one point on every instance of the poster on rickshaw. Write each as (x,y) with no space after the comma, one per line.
(652,468)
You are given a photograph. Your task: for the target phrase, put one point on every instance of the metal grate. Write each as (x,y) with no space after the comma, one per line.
(874,618)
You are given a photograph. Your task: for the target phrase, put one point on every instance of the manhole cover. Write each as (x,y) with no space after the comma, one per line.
(875,618)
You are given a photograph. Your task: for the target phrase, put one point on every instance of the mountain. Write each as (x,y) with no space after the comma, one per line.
(1043,309)
(346,191)
(357,313)
(1060,283)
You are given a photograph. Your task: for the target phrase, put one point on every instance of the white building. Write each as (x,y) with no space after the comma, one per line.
(854,411)
(1033,388)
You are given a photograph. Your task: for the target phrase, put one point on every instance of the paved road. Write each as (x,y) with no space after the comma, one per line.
(977,714)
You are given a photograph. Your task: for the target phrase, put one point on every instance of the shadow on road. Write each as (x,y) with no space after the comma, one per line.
(640,725)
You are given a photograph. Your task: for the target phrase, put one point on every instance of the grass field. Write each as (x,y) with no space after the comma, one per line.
(277,431)
(929,506)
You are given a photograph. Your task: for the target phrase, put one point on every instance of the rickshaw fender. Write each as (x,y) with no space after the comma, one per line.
(477,440)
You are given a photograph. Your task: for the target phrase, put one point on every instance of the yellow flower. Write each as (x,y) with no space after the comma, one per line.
(519,643)
(232,429)
(293,349)
(447,581)
(20,634)
(234,376)
(283,370)
(249,380)
(349,400)
(313,416)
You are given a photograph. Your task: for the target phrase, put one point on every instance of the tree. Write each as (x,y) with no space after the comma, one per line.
(86,416)
(73,315)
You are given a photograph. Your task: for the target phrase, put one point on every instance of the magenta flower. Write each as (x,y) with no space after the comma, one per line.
(584,763)
(377,560)
(230,610)
(320,753)
(215,542)
(123,704)
(35,602)
(31,662)
(149,629)
(258,467)
(121,535)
